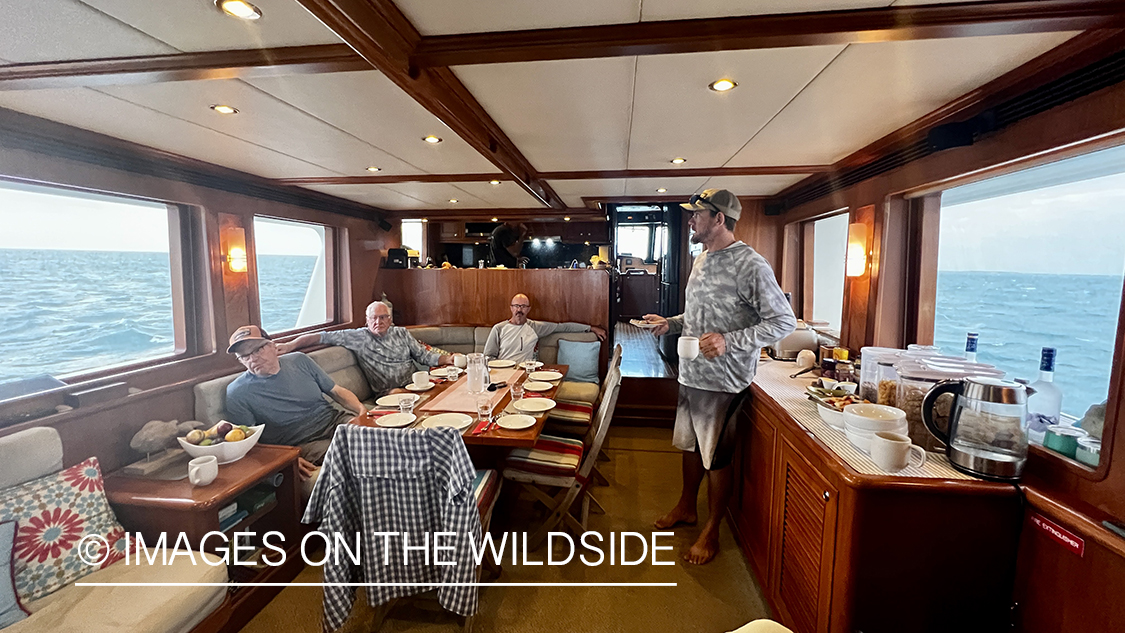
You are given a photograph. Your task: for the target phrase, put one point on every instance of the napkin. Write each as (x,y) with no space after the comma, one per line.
(479,426)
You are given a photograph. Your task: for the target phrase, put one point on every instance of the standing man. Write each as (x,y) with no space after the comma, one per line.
(505,244)
(517,338)
(735,307)
(386,353)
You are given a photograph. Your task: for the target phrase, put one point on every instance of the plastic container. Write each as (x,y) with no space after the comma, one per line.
(915,349)
(1089,451)
(845,371)
(869,371)
(886,380)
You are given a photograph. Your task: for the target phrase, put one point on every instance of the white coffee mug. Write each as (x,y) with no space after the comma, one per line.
(421,379)
(891,451)
(688,347)
(203,470)
(460,361)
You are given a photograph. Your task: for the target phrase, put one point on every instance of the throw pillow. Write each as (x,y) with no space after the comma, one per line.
(55,513)
(582,356)
(10,609)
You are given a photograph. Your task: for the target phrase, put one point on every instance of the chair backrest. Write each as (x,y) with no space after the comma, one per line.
(29,454)
(602,418)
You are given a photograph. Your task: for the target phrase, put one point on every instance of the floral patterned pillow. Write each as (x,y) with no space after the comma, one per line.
(65,526)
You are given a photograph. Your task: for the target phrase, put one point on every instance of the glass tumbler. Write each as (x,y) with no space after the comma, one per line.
(484,408)
(517,391)
(406,405)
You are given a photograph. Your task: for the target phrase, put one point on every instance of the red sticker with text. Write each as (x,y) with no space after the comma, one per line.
(1059,534)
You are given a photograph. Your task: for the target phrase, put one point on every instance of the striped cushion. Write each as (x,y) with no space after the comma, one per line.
(553,456)
(486,487)
(572,412)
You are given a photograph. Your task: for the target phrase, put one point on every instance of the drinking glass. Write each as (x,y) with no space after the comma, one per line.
(484,408)
(451,373)
(517,391)
(406,405)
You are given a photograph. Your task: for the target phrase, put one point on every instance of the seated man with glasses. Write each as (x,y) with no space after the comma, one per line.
(386,353)
(517,338)
(286,394)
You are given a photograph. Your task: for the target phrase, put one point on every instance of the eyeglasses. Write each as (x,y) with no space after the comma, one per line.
(380,317)
(245,357)
(516,305)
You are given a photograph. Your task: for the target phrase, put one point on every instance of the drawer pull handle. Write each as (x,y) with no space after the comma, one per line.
(826,495)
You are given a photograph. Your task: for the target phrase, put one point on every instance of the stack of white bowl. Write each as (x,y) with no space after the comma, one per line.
(863,421)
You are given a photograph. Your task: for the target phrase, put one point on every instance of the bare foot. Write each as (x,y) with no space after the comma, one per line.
(703,550)
(676,517)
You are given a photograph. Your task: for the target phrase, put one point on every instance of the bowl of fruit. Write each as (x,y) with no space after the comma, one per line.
(226,441)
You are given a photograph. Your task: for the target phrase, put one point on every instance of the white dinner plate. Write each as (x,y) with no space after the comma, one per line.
(545,375)
(452,420)
(393,420)
(534,405)
(532,385)
(501,364)
(441,372)
(531,365)
(516,422)
(393,399)
(643,324)
(413,387)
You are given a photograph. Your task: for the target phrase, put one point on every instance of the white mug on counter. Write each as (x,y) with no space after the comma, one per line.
(688,347)
(201,471)
(421,379)
(891,451)
(460,361)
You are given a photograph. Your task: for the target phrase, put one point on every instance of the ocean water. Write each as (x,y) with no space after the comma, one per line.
(1018,314)
(66,312)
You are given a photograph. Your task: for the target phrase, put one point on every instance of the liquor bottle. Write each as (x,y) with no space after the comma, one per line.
(971,347)
(1044,407)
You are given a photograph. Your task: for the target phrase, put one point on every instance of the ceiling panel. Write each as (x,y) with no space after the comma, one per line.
(675,186)
(572,191)
(381,196)
(478,16)
(753,185)
(506,195)
(71,31)
(654,10)
(437,195)
(676,114)
(563,115)
(283,23)
(103,113)
(871,90)
(371,107)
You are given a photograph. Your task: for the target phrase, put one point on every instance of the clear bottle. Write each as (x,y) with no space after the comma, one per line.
(1044,406)
(971,347)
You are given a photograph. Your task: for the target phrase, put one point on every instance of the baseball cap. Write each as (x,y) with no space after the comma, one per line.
(246,333)
(719,200)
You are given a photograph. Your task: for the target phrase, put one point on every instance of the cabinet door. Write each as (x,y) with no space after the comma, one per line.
(756,488)
(804,533)
(452,230)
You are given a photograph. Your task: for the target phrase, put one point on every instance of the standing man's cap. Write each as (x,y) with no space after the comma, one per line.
(246,333)
(719,200)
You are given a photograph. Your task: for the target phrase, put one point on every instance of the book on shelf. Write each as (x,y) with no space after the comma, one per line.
(256,498)
(232,520)
(228,511)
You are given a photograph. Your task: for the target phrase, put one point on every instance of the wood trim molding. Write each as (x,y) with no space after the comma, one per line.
(769,31)
(382,35)
(599,202)
(486,215)
(150,69)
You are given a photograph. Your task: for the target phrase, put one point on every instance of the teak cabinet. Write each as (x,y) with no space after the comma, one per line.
(838,551)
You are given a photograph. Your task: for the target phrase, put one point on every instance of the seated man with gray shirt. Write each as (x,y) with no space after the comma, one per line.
(286,394)
(518,338)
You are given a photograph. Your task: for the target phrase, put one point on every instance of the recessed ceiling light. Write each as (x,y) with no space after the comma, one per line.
(495,219)
(587,243)
(549,241)
(224,109)
(661,190)
(567,218)
(722,85)
(453,200)
(374,169)
(425,220)
(678,161)
(239,9)
(493,182)
(431,139)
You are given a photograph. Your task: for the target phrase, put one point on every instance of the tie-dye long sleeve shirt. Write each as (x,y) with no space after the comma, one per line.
(733,292)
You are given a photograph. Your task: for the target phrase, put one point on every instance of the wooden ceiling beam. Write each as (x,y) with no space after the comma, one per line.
(381,34)
(150,69)
(771,31)
(597,203)
(485,215)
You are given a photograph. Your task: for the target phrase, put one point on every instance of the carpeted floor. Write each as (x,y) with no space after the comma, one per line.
(644,474)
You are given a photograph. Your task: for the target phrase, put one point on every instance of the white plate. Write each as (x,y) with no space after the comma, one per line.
(643,324)
(532,385)
(545,375)
(412,387)
(440,372)
(501,364)
(531,365)
(534,405)
(516,422)
(452,420)
(394,420)
(393,399)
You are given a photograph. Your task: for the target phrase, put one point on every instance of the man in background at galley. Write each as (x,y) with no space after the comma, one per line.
(735,307)
(386,353)
(517,339)
(286,394)
(505,244)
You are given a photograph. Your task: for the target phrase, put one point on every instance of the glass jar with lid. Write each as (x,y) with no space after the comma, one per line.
(845,371)
(914,382)
(886,380)
(869,371)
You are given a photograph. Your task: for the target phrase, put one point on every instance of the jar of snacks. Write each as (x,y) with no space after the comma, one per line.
(869,371)
(914,382)
(845,371)
(828,368)
(886,380)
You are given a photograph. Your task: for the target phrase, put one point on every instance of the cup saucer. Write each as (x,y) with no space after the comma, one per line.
(413,387)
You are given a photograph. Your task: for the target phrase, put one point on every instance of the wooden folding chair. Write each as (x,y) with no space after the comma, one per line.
(564,465)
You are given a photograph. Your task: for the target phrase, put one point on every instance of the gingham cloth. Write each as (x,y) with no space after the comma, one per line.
(417,482)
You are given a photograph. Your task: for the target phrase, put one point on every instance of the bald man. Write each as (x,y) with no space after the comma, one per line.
(517,339)
(386,353)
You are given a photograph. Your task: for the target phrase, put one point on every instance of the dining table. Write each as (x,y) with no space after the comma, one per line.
(430,403)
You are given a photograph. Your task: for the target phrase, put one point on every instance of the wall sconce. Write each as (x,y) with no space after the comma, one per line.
(236,250)
(856,258)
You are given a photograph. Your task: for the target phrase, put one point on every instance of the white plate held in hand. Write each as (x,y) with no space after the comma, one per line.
(516,422)
(545,375)
(452,420)
(534,405)
(532,385)
(394,420)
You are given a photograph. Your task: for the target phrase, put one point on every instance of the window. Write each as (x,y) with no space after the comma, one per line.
(292,266)
(634,240)
(87,284)
(1035,259)
(830,245)
(412,235)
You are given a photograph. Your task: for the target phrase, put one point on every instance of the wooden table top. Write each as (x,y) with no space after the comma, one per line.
(497,436)
(233,479)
